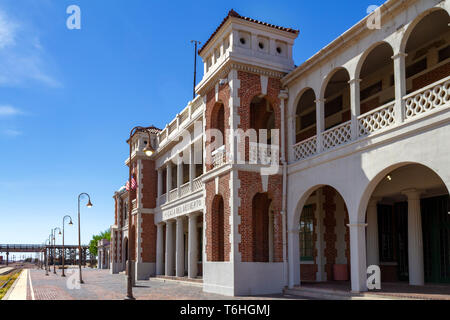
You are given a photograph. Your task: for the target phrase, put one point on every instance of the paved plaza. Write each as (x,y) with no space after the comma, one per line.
(101,285)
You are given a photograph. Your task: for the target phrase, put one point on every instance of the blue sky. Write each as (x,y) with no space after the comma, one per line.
(69,97)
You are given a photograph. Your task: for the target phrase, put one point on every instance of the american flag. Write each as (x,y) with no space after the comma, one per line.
(133,184)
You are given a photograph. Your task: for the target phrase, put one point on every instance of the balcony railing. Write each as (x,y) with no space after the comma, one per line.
(260,153)
(197,184)
(185,189)
(219,157)
(428,98)
(306,148)
(424,100)
(376,119)
(336,136)
(173,194)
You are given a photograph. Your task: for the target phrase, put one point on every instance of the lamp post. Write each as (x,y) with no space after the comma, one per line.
(89,205)
(54,248)
(148,150)
(46,256)
(63,250)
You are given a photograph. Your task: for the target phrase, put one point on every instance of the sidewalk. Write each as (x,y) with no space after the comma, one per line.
(18,291)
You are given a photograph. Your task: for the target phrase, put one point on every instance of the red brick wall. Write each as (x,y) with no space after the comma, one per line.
(211,218)
(149,184)
(432,76)
(148,238)
(251,185)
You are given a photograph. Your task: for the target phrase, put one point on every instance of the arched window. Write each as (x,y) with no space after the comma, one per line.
(262,227)
(262,116)
(218,232)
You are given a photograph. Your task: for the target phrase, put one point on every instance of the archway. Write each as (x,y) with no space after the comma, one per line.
(262,116)
(262,228)
(337,99)
(305,116)
(408,226)
(377,77)
(324,238)
(427,45)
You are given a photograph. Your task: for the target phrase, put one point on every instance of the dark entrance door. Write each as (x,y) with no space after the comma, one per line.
(436,239)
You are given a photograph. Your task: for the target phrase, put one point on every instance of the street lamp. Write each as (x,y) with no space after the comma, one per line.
(89,205)
(63,250)
(148,150)
(46,255)
(54,247)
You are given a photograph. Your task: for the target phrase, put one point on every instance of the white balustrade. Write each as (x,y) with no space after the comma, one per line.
(337,136)
(306,148)
(219,157)
(376,119)
(260,153)
(197,184)
(173,194)
(428,98)
(184,189)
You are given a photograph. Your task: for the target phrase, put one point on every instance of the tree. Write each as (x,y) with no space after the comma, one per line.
(93,245)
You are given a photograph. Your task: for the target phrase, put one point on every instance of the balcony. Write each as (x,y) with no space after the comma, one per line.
(264,154)
(420,102)
(219,157)
(185,190)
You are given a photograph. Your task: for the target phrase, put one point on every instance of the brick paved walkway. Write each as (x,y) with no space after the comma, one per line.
(100,285)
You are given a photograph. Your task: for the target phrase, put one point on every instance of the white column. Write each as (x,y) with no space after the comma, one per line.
(291,256)
(400,85)
(355,106)
(320,122)
(191,166)
(372,233)
(320,275)
(169,248)
(169,179)
(179,175)
(415,242)
(160,182)
(193,247)
(160,249)
(180,248)
(358,256)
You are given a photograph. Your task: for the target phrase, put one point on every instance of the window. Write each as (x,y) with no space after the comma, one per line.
(306,229)
(444,53)
(125,213)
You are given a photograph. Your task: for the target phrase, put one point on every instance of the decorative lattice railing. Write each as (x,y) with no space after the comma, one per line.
(173,194)
(306,148)
(376,119)
(197,184)
(218,158)
(428,98)
(184,189)
(337,136)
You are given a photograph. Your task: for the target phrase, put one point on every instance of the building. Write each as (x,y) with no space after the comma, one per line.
(103,253)
(351,171)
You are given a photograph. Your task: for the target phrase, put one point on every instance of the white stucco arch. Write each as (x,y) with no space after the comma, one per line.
(365,197)
(363,57)
(327,79)
(411,26)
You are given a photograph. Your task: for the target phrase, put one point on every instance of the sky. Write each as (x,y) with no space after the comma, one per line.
(68,98)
